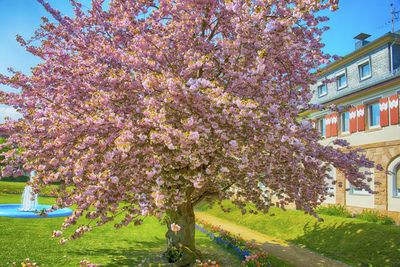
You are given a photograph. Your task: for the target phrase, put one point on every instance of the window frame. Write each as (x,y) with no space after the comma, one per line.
(342,122)
(337,76)
(326,90)
(321,121)
(357,192)
(369,119)
(362,64)
(396,192)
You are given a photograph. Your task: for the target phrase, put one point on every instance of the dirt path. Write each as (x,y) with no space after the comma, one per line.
(290,253)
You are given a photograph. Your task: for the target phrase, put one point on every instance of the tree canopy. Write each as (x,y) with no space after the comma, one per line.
(159,104)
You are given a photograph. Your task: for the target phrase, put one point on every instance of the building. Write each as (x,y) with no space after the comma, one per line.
(367,81)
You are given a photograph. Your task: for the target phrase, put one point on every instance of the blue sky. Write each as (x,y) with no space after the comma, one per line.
(23,17)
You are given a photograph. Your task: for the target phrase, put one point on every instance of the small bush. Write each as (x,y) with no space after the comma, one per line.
(206,263)
(256,260)
(173,254)
(375,216)
(335,210)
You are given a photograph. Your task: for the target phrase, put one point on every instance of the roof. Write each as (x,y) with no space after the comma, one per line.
(387,38)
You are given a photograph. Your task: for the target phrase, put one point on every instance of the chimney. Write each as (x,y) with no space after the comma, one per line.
(361,40)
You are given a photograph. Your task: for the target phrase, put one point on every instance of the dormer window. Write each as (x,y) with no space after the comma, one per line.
(322,90)
(364,70)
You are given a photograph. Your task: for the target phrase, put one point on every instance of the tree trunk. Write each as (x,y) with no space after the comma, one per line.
(181,247)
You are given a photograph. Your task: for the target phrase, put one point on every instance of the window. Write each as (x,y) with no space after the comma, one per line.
(322,127)
(322,90)
(364,70)
(393,182)
(358,191)
(341,81)
(374,115)
(396,181)
(345,122)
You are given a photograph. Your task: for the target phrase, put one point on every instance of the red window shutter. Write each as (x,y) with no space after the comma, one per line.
(328,125)
(353,120)
(334,124)
(360,112)
(394,109)
(384,108)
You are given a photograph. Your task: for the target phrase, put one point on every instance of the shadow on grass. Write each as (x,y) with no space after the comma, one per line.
(23,179)
(359,244)
(133,255)
(149,253)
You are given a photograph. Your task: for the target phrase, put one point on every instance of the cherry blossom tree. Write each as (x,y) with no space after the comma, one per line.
(145,108)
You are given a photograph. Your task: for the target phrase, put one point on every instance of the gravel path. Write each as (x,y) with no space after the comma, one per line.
(295,255)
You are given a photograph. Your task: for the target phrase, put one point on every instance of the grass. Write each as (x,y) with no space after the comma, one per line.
(7,187)
(128,246)
(375,217)
(335,210)
(365,215)
(353,241)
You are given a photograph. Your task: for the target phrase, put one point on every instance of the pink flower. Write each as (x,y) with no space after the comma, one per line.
(114,179)
(194,136)
(233,143)
(57,233)
(224,169)
(158,198)
(175,228)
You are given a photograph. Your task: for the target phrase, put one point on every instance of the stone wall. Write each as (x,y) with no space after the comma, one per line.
(381,153)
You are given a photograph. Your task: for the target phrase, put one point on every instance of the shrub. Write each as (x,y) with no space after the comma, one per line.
(206,263)
(256,260)
(335,210)
(173,254)
(375,216)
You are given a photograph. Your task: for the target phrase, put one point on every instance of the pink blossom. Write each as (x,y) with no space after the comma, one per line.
(233,143)
(194,136)
(158,198)
(175,227)
(57,233)
(125,108)
(224,170)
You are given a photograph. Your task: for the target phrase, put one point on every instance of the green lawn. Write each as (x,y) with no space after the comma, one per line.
(129,246)
(18,188)
(352,241)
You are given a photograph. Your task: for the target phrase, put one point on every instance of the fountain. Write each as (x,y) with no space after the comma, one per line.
(29,208)
(29,200)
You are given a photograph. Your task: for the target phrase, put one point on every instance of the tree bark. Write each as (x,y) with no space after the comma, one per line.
(181,248)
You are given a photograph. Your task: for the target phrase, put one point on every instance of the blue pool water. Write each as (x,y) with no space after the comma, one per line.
(12,210)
